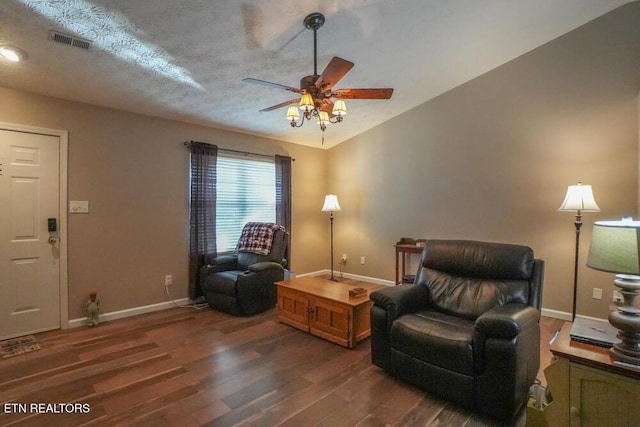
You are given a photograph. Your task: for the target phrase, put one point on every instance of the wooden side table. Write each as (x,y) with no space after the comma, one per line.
(402,251)
(588,387)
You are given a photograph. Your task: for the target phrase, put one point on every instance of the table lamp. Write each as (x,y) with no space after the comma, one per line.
(614,249)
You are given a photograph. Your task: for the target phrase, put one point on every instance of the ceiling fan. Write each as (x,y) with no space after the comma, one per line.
(316,90)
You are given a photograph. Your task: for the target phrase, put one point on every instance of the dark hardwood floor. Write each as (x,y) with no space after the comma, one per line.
(189,367)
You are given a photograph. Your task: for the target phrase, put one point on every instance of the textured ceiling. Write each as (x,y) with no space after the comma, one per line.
(185,59)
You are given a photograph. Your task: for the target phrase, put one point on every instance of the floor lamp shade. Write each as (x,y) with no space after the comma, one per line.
(579,198)
(331,205)
(615,249)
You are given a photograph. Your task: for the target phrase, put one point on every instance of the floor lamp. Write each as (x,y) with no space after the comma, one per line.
(579,198)
(330,205)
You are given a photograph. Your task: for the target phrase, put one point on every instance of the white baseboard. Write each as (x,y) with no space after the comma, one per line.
(563,315)
(106,317)
(597,319)
(556,314)
(313,273)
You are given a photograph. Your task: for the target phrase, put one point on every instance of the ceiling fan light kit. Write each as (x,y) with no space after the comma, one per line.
(315,90)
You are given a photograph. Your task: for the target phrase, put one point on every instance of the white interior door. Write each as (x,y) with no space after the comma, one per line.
(29,252)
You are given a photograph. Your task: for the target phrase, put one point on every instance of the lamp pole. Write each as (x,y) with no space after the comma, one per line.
(578,224)
(332,278)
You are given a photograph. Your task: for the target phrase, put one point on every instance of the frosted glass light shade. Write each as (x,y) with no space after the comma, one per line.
(579,198)
(306,103)
(323,118)
(339,108)
(614,247)
(331,203)
(292,113)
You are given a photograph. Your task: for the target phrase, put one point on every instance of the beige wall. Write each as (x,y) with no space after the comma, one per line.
(133,170)
(491,160)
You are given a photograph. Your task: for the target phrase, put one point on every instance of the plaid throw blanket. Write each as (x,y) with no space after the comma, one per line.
(257,237)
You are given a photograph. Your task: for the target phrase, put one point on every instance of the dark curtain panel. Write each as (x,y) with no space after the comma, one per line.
(202,238)
(283,199)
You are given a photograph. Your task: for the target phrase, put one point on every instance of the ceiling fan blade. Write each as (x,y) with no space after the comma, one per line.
(282,104)
(378,93)
(270,84)
(336,70)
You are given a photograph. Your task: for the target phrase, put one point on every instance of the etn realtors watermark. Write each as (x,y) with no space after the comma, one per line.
(46,408)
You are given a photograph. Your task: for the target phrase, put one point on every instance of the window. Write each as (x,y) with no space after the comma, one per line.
(246,191)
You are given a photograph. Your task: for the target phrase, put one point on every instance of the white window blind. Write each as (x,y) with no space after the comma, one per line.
(246,191)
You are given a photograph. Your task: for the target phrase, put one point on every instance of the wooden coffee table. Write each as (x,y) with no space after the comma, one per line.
(324,308)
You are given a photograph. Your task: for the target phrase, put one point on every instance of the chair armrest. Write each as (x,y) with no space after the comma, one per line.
(507,321)
(260,267)
(398,300)
(223,263)
(389,304)
(506,347)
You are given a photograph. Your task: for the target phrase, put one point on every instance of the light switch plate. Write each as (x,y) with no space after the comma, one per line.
(79,207)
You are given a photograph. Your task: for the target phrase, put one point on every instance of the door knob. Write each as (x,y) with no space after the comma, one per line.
(52,240)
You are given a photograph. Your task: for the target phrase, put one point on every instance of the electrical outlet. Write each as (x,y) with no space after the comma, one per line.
(617,298)
(344,258)
(363,260)
(597,293)
(168,280)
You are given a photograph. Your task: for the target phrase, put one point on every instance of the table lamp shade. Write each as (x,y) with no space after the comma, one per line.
(579,198)
(614,247)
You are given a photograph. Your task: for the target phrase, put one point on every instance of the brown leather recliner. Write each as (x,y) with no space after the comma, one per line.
(243,283)
(468,329)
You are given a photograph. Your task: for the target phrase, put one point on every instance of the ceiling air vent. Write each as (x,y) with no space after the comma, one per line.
(69,40)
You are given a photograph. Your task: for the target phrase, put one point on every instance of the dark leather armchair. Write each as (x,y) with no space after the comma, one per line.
(243,283)
(468,329)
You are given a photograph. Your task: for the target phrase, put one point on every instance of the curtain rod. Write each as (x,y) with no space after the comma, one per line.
(246,153)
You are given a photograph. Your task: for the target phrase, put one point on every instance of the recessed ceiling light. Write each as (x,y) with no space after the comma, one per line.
(13,53)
